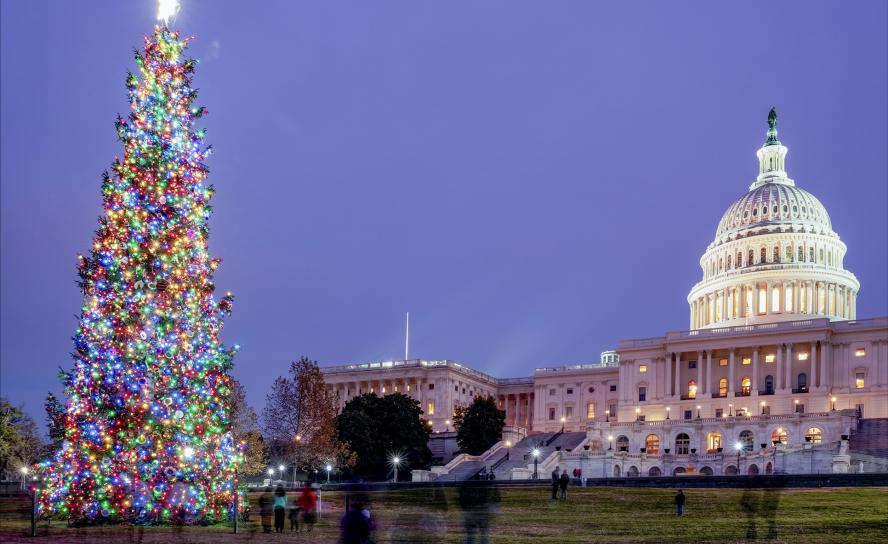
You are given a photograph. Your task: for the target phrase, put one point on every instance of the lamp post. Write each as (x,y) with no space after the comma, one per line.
(638,414)
(281,469)
(610,442)
(562,423)
(730,409)
(796,404)
(833,404)
(508,451)
(328,468)
(763,407)
(24,471)
(298,442)
(447,425)
(739,446)
(270,474)
(396,461)
(536,458)
(698,411)
(607,415)
(667,412)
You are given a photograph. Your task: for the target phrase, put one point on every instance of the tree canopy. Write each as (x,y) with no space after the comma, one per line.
(378,428)
(479,426)
(19,442)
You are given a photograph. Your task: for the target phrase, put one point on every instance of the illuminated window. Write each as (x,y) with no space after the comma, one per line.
(769,358)
(745,386)
(775,299)
(814,435)
(860,380)
(746,361)
(723,387)
(722,362)
(622,443)
(713,442)
(859,352)
(763,301)
(590,410)
(803,356)
(780,436)
(763,255)
(383,390)
(788,298)
(652,444)
(643,368)
(408,388)
(801,254)
(568,412)
(747,440)
(803,298)
(692,389)
(642,394)
(431,410)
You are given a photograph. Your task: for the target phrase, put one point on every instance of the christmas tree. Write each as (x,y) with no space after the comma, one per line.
(146,426)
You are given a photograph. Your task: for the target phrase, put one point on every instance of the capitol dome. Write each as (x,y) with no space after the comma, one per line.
(775,256)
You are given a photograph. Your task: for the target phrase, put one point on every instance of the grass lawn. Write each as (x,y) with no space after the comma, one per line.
(526,515)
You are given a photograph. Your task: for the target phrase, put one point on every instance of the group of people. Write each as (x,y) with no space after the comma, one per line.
(560,481)
(304,505)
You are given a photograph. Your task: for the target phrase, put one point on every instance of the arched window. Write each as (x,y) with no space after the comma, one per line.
(723,387)
(692,389)
(753,470)
(779,435)
(721,263)
(652,444)
(590,410)
(616,471)
(764,255)
(769,468)
(713,442)
(769,385)
(729,262)
(622,443)
(678,470)
(810,254)
(776,254)
(745,386)
(655,471)
(747,440)
(682,444)
(803,382)
(731,470)
(814,435)
(820,260)
(739,259)
(801,254)
(788,253)
(632,472)
(706,471)
(750,259)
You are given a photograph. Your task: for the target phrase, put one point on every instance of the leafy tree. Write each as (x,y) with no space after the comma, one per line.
(245,429)
(299,417)
(19,442)
(55,420)
(479,426)
(379,428)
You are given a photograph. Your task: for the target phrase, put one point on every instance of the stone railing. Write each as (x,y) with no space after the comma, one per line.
(705,420)
(413,363)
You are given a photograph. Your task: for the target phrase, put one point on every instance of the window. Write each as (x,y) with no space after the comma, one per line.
(383,390)
(769,358)
(622,443)
(801,254)
(688,414)
(713,442)
(803,382)
(723,387)
(729,262)
(803,356)
(431,410)
(860,352)
(552,392)
(800,408)
(810,254)
(692,364)
(745,386)
(642,368)
(775,299)
(719,412)
(551,414)
(747,440)
(746,361)
(788,253)
(820,260)
(591,389)
(682,444)
(456,388)
(642,394)
(568,412)
(722,362)
(652,444)
(776,254)
(612,409)
(692,389)
(570,391)
(613,388)
(787,296)
(464,391)
(814,435)
(590,410)
(859,380)
(763,301)
(769,385)
(739,259)
(431,386)
(764,255)
(750,258)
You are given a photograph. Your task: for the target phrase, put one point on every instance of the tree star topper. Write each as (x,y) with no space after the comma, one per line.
(166,10)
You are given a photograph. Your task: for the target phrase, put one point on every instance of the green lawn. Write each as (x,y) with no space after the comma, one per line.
(526,515)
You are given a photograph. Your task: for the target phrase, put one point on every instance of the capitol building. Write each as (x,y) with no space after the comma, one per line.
(776,373)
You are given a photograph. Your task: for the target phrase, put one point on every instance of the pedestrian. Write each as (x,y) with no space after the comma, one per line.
(555,482)
(280,506)
(308,503)
(294,517)
(563,483)
(679,502)
(265,505)
(357,524)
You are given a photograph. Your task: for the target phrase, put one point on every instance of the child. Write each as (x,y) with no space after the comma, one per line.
(679,502)
(294,518)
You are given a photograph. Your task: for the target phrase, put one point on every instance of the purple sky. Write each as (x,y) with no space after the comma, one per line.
(533,181)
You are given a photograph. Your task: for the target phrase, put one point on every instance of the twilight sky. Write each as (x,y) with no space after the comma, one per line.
(533,181)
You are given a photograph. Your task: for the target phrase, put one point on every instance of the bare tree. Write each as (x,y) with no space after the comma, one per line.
(245,429)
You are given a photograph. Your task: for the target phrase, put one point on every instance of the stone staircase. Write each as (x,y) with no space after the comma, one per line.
(521,456)
(869,444)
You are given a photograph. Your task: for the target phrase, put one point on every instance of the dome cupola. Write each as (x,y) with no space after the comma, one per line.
(775,256)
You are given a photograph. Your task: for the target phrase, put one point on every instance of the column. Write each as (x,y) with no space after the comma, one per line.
(731,373)
(778,376)
(678,374)
(788,364)
(770,290)
(826,361)
(708,387)
(795,298)
(725,316)
(693,314)
(668,389)
(699,373)
(812,379)
(741,301)
(826,371)
(755,370)
(755,299)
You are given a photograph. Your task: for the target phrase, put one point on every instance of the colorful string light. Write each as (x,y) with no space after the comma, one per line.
(147,422)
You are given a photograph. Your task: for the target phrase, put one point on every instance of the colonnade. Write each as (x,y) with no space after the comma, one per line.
(801,297)
(518,408)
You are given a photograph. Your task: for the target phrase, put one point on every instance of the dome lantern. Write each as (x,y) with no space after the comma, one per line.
(772,157)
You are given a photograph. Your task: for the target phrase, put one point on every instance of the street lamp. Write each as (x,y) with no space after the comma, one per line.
(281,469)
(395,462)
(562,423)
(796,404)
(607,415)
(739,447)
(698,411)
(833,404)
(328,468)
(508,451)
(638,414)
(447,425)
(730,409)
(24,471)
(270,474)
(763,407)
(610,442)
(536,458)
(667,412)
(296,459)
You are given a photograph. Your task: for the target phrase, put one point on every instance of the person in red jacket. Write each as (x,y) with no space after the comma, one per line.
(308,503)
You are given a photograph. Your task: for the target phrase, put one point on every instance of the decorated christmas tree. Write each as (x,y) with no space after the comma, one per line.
(146,426)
